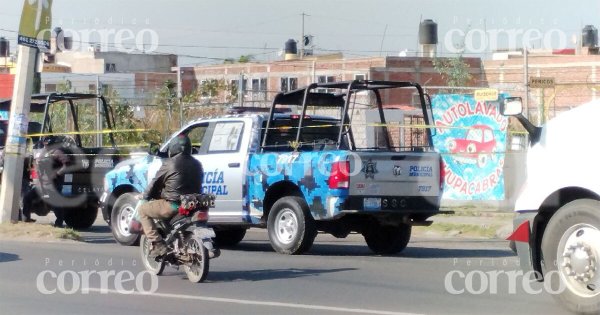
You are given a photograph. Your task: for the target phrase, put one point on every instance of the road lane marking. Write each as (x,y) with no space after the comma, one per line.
(259,303)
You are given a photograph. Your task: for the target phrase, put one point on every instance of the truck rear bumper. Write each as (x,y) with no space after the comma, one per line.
(394,204)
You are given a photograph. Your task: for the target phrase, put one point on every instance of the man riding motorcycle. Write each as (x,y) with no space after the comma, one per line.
(181,174)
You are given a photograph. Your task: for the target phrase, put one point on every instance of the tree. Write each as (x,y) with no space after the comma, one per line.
(455,70)
(245,58)
(214,88)
(124,119)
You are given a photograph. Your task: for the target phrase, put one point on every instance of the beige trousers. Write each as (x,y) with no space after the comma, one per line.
(155,209)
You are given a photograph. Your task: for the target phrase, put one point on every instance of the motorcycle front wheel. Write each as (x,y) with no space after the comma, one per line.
(197,270)
(153,266)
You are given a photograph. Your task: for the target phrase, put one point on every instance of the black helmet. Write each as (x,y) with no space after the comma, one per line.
(181,144)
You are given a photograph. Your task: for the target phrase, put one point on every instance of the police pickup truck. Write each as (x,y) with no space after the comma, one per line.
(88,159)
(299,169)
(557,223)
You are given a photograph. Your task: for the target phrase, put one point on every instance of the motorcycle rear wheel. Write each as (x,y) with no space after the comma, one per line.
(198,270)
(150,264)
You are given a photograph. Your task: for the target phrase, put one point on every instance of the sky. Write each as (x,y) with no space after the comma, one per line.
(205,32)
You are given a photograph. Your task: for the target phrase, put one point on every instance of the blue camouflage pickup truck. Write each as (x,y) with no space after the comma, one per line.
(299,168)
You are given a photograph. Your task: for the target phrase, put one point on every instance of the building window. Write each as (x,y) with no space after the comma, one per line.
(50,88)
(288,84)
(110,67)
(235,85)
(259,89)
(325,79)
(360,77)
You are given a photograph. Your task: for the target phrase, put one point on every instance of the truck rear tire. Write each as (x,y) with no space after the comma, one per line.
(571,243)
(229,237)
(387,239)
(81,218)
(121,214)
(291,227)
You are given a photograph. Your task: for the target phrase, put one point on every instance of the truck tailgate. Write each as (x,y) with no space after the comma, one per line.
(390,180)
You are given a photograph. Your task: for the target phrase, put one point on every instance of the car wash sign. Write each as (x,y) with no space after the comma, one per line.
(471,136)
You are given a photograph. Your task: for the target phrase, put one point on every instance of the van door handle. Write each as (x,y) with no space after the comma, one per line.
(233,165)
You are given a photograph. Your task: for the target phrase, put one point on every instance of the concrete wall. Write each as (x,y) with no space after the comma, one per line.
(123,83)
(95,62)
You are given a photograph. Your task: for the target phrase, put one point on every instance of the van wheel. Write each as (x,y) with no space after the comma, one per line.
(571,251)
(290,226)
(387,239)
(83,218)
(121,215)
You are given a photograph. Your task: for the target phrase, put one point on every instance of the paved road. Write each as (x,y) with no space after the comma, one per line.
(335,277)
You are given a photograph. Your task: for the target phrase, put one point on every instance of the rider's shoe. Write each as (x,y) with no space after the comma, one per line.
(158,249)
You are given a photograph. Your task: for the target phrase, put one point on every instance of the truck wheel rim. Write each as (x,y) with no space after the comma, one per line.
(286,226)
(125,217)
(577,260)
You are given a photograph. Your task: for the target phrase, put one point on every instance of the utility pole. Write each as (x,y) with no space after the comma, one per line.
(180,95)
(16,145)
(34,34)
(98,113)
(302,37)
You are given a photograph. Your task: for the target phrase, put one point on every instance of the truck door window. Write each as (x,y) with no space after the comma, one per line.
(196,135)
(226,137)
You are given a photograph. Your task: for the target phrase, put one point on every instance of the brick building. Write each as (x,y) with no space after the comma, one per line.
(262,81)
(576,77)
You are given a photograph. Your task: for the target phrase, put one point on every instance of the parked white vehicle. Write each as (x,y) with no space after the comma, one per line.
(557,223)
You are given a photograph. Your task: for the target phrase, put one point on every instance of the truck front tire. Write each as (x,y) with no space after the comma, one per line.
(83,218)
(121,214)
(290,226)
(387,239)
(571,253)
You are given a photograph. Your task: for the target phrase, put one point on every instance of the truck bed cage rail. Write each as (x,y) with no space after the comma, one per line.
(41,102)
(309,96)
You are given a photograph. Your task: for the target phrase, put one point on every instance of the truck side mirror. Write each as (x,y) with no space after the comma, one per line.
(511,106)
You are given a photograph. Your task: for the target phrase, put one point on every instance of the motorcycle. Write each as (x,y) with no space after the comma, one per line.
(188,238)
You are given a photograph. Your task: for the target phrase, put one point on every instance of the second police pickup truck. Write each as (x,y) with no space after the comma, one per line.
(298,170)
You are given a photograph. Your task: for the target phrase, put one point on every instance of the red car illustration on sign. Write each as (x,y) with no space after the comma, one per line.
(477,146)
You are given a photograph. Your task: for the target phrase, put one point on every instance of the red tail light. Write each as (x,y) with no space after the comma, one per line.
(442,173)
(201,216)
(33,173)
(340,175)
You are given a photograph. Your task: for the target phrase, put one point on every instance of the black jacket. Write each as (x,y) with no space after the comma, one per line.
(179,175)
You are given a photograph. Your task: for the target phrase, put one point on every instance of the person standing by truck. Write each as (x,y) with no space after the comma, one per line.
(51,165)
